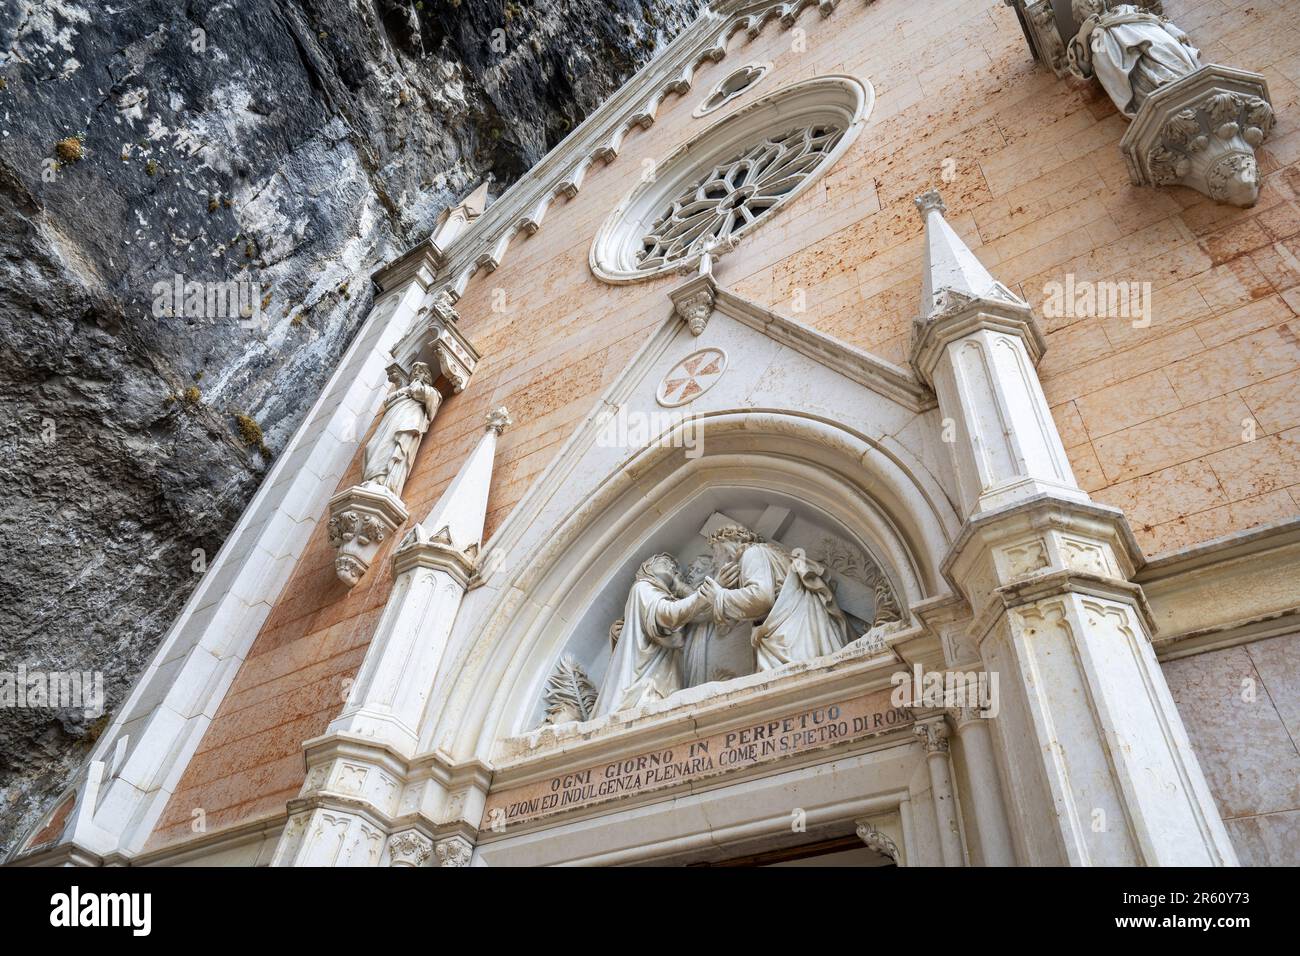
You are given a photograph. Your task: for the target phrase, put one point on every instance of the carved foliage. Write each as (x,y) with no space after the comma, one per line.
(851,562)
(351,525)
(570,694)
(1212,123)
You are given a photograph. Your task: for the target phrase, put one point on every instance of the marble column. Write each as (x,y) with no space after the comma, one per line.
(933,734)
(973,732)
(1093,755)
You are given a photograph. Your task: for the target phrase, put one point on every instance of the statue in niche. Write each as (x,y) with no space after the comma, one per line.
(1132,51)
(646,662)
(783,594)
(407,413)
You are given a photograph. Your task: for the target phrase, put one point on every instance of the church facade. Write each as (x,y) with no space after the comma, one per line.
(871,438)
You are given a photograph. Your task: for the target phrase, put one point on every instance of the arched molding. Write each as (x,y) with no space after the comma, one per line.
(517,622)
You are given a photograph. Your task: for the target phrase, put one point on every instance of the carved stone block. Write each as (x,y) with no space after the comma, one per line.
(361,519)
(1201,131)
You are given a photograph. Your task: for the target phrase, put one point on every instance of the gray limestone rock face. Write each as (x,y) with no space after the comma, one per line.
(288,146)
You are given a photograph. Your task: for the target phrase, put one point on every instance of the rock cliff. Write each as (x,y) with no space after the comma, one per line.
(284,146)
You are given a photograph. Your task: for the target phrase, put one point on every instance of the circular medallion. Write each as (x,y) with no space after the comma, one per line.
(691,377)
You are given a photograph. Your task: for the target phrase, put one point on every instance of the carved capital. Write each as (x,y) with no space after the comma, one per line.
(453,851)
(409,848)
(933,735)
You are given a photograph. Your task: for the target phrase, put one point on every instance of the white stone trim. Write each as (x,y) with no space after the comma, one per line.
(755,74)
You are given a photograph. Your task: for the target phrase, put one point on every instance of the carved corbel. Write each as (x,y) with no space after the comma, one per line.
(361,519)
(693,302)
(883,833)
(1201,132)
(1195,125)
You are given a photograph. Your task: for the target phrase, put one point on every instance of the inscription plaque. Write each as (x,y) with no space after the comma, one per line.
(693,760)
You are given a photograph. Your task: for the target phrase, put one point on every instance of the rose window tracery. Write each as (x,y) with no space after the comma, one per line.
(737,193)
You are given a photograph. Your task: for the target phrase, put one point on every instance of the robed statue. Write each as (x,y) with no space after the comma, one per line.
(1132,51)
(407,413)
(646,662)
(782,594)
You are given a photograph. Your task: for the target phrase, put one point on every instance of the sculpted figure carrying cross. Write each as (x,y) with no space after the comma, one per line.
(783,594)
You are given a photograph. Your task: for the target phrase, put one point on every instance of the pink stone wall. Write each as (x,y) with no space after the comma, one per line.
(1153,419)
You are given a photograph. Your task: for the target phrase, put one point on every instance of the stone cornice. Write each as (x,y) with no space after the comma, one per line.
(1041,511)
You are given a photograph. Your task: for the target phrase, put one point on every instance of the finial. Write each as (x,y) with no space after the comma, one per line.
(498,420)
(930,200)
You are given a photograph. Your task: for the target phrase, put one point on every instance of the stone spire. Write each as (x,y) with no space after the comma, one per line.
(951,270)
(456,521)
(460,217)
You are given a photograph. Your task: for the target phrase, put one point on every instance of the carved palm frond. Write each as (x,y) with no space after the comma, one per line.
(569,694)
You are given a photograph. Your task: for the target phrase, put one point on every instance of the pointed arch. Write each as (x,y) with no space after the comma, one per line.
(526,609)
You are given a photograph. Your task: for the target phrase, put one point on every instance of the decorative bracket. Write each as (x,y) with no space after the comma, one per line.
(361,519)
(693,302)
(1201,131)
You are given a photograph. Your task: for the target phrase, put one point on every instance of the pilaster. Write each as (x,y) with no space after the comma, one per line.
(1095,762)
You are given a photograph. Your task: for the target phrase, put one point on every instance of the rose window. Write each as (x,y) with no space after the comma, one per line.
(737,193)
(730,178)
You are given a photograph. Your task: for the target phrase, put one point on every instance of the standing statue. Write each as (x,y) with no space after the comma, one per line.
(1132,51)
(785,595)
(407,413)
(646,663)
